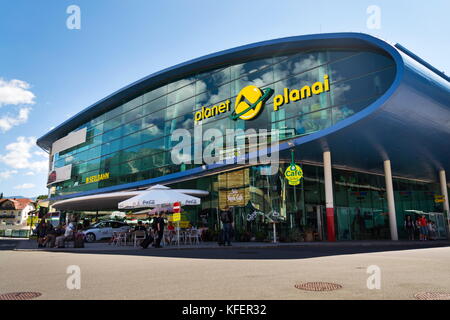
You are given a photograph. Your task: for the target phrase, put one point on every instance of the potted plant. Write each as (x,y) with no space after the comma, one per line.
(260,236)
(295,235)
(245,236)
(309,234)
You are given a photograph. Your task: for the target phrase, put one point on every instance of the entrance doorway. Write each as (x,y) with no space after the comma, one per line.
(440,222)
(314,218)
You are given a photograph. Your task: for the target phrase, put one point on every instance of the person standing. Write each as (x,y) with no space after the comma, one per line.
(41,233)
(423,228)
(431,230)
(227,221)
(159,229)
(409,227)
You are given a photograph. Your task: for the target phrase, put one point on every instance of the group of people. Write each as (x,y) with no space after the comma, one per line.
(154,233)
(56,237)
(425,229)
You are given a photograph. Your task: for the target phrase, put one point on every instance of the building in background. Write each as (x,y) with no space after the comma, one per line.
(15,212)
(367,121)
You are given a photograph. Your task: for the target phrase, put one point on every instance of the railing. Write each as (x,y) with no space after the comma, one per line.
(11,233)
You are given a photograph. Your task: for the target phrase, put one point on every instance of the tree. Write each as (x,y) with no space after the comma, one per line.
(42,197)
(1,195)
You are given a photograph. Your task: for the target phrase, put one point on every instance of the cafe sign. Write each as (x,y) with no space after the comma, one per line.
(293,174)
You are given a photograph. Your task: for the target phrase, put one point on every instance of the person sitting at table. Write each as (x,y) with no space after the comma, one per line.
(51,236)
(139,227)
(68,234)
(41,233)
(171,232)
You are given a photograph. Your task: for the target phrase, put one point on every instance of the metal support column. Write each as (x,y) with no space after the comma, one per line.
(329,202)
(443,183)
(390,200)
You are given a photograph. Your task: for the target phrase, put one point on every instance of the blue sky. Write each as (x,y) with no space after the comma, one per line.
(48,72)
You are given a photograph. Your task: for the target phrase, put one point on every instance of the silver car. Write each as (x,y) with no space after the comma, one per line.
(104,230)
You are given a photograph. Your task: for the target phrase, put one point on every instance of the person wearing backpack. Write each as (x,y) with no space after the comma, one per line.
(409,227)
(159,232)
(227,222)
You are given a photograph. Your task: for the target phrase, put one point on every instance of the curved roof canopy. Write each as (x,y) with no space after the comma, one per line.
(409,124)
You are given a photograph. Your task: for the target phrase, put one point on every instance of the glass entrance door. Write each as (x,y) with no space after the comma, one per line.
(440,224)
(314,220)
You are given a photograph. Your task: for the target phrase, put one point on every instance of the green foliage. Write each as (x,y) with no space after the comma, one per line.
(295,235)
(210,235)
(260,236)
(245,236)
(292,235)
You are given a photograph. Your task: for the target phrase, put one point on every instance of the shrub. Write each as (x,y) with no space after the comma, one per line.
(245,236)
(295,235)
(260,236)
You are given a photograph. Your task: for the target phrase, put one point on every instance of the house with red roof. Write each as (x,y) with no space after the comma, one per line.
(15,212)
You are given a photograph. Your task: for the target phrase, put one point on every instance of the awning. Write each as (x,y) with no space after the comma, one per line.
(110,201)
(158,196)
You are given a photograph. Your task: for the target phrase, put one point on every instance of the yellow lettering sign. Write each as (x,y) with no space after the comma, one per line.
(96,178)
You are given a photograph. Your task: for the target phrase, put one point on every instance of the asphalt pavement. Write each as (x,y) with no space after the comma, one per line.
(405,270)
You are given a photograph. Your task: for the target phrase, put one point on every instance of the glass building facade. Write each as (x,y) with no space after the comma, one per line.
(360,202)
(132,142)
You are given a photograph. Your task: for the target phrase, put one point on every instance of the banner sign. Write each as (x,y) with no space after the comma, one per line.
(59,174)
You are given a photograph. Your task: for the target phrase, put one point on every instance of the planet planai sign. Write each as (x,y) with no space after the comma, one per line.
(251,99)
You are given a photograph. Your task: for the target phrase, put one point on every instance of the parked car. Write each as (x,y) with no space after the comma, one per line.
(104,229)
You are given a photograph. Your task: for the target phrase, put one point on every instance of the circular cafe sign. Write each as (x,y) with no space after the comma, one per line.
(293,174)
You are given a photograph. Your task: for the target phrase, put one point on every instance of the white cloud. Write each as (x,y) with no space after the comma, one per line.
(9,121)
(25,186)
(41,153)
(7,174)
(15,92)
(30,173)
(19,155)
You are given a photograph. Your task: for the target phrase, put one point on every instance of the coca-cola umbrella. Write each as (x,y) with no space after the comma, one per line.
(159,196)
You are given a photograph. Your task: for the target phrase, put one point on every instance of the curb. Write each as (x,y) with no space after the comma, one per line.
(427,244)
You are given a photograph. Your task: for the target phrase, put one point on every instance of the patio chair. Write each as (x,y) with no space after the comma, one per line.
(114,238)
(194,236)
(167,237)
(139,236)
(175,239)
(119,238)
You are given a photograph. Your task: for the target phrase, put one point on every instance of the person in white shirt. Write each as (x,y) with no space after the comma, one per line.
(68,233)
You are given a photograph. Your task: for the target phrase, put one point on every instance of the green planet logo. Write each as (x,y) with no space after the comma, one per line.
(249,102)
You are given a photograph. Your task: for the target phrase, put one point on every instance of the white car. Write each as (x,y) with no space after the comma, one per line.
(104,229)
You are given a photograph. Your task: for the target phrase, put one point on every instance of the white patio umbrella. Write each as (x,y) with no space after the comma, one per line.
(118,214)
(158,196)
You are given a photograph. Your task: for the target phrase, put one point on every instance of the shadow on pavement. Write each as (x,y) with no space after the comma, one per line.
(266,253)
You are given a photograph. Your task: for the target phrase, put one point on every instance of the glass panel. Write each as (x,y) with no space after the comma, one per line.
(151,95)
(155,105)
(210,81)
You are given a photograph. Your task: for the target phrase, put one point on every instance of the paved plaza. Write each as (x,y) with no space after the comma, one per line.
(244,271)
